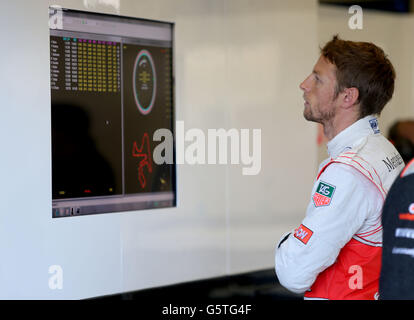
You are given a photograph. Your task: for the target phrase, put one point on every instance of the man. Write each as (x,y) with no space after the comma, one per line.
(401,135)
(336,251)
(397,278)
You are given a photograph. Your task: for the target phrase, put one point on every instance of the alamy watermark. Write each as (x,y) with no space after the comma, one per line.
(55,17)
(218,146)
(356,280)
(56,278)
(356,20)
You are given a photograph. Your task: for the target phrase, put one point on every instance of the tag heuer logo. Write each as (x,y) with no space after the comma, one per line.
(323,195)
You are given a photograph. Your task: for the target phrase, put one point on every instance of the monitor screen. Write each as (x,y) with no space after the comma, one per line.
(111,83)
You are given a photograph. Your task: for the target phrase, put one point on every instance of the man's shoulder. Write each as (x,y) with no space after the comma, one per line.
(375,145)
(345,175)
(375,156)
(342,169)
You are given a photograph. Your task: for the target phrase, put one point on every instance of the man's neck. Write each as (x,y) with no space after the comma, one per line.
(339,123)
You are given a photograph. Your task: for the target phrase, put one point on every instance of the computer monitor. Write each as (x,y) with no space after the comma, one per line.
(111,88)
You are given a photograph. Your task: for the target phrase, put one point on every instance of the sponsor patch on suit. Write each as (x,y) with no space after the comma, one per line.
(323,195)
(303,234)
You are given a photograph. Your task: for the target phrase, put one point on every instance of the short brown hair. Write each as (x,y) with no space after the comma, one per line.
(364,66)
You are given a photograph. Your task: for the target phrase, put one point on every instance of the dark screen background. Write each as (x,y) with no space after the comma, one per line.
(137,125)
(87,130)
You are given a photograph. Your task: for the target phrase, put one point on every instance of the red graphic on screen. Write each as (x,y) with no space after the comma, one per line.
(144,153)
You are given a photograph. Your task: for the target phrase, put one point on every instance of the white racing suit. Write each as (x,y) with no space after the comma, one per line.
(336,251)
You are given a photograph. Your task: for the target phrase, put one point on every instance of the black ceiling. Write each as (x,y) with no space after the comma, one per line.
(398,6)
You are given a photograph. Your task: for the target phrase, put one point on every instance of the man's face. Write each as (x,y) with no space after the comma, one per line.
(319,92)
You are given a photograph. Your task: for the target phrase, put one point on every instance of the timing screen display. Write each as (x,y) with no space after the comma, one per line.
(111,89)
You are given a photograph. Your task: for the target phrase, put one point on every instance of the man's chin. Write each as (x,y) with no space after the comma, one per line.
(308,116)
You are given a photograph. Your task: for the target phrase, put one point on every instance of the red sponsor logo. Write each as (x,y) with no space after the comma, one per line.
(303,234)
(406,216)
(320,200)
(409,215)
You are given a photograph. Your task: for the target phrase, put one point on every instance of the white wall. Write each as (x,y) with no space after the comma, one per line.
(238,65)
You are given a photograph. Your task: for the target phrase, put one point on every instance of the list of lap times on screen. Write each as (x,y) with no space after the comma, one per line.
(108,98)
(88,65)
(86,119)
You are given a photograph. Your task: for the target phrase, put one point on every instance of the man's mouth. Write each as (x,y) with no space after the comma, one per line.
(306,102)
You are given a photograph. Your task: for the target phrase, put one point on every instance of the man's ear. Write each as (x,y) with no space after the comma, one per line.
(350,97)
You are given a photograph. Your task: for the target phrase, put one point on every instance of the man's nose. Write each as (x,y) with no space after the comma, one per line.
(305,84)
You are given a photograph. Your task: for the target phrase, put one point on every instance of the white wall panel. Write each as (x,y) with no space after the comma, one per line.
(272,48)
(238,64)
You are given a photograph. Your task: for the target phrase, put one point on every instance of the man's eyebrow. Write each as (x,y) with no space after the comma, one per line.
(315,71)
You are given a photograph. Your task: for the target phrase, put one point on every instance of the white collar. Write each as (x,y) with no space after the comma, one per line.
(347,137)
